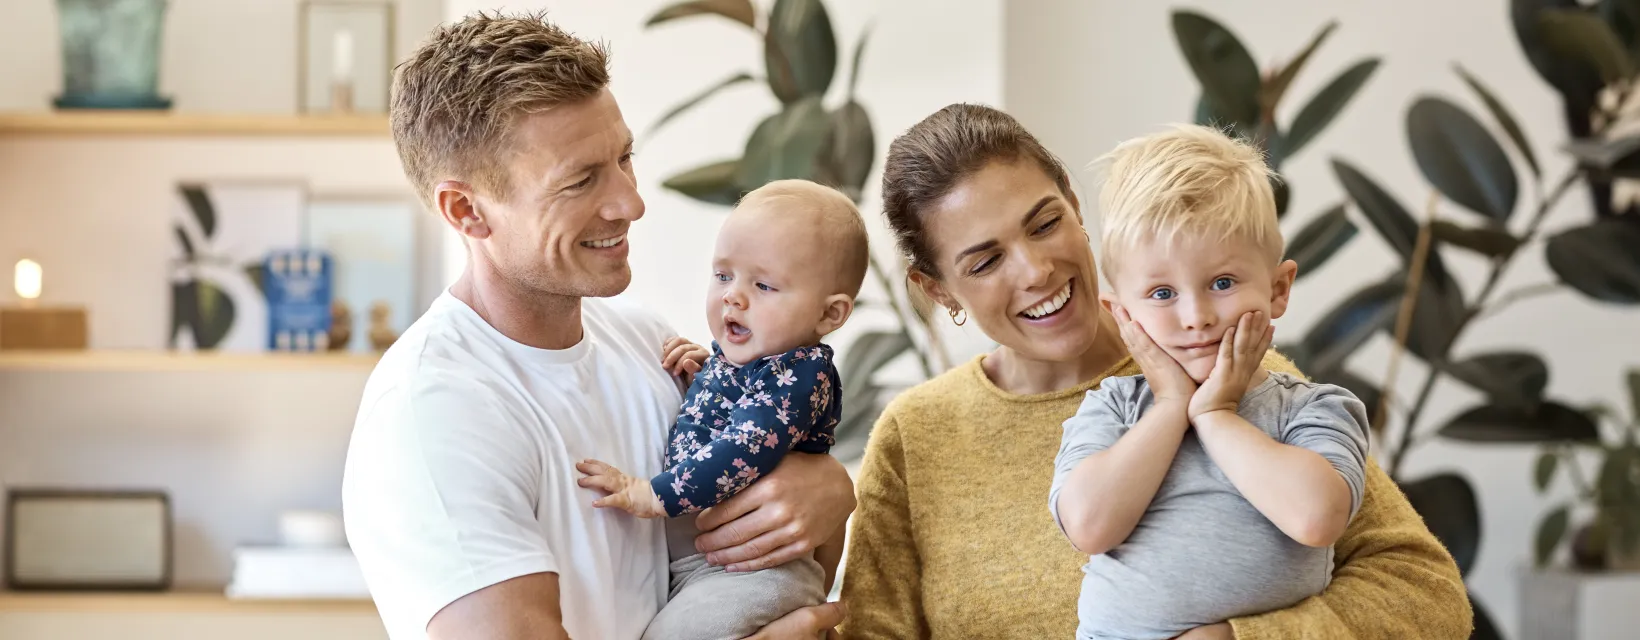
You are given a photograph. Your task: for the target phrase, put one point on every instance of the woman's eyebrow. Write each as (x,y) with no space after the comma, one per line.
(990,244)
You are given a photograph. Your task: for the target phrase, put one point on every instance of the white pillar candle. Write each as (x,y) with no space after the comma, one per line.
(343,56)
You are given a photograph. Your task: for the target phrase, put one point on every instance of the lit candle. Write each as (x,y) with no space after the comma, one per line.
(27,280)
(343,57)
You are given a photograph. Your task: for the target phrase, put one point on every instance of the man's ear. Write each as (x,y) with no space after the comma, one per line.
(457,203)
(838,308)
(932,288)
(1281,289)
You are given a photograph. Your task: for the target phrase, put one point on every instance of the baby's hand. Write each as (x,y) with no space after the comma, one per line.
(1168,381)
(1241,353)
(629,494)
(683,358)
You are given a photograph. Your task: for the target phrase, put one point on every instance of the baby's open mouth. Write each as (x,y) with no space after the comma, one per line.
(736,332)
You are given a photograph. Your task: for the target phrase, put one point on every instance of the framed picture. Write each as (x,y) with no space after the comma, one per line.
(345,56)
(373,239)
(224,231)
(64,539)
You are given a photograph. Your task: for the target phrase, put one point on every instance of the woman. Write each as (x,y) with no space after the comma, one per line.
(952,537)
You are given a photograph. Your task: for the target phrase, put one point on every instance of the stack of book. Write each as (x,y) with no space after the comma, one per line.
(296,573)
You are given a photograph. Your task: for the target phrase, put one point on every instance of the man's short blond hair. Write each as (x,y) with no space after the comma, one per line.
(839,229)
(1186,179)
(457,98)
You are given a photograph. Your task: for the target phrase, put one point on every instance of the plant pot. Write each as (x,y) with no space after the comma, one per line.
(1620,559)
(111,54)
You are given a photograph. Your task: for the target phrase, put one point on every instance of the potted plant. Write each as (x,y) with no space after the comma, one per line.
(1608,500)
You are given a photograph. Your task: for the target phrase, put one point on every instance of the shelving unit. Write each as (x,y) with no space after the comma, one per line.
(182,614)
(157,361)
(181,601)
(114,122)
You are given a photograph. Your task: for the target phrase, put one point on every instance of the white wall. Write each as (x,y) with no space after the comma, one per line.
(1086,75)
(922,55)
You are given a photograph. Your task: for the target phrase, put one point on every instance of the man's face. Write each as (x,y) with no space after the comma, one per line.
(561,229)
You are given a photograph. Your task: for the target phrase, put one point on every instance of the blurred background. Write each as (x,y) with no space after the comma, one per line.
(208,238)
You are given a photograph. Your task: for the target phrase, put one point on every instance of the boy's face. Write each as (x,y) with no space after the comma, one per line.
(1188,294)
(770,285)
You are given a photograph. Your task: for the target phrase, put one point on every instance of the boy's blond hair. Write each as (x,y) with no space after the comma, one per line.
(836,223)
(1186,179)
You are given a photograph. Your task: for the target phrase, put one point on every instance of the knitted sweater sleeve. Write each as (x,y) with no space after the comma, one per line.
(882,587)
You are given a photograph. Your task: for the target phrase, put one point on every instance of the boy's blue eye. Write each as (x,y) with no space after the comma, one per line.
(721,277)
(1222,284)
(1161,294)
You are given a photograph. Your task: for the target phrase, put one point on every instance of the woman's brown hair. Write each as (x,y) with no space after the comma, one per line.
(927,161)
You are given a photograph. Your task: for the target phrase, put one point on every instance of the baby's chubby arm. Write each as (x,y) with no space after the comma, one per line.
(1297,489)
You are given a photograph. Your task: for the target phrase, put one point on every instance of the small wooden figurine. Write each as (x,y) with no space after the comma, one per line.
(341,325)
(381,332)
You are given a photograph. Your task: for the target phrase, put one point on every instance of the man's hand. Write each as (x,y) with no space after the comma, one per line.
(683,358)
(1220,631)
(807,623)
(1168,381)
(781,517)
(1241,353)
(629,494)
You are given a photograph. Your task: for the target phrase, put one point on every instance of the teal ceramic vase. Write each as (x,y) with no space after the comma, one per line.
(111,54)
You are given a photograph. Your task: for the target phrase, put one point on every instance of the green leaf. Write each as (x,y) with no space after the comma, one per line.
(868,353)
(200,205)
(859,54)
(785,145)
(1282,192)
(1386,214)
(1549,532)
(738,10)
(1551,422)
(1326,104)
(698,98)
(1221,64)
(1634,394)
(1447,503)
(1271,93)
(1336,336)
(1597,153)
(1504,117)
(712,183)
(1577,82)
(1458,156)
(215,314)
(1600,260)
(1576,34)
(1489,242)
(1320,239)
(1544,471)
(799,50)
(849,151)
(1438,311)
(1510,378)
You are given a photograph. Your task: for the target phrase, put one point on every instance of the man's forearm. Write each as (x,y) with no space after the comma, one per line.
(1107,493)
(1297,489)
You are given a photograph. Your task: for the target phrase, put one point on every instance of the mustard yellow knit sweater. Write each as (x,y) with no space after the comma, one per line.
(953,538)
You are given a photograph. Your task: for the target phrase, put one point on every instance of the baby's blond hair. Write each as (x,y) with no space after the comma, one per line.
(1188,178)
(836,223)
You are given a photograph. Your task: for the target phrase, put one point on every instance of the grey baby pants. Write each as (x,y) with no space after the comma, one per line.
(708,603)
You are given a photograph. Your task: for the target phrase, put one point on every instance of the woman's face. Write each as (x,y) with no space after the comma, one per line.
(1011,251)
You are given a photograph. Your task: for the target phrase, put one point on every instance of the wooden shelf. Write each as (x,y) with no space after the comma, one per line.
(172,123)
(150,361)
(181,601)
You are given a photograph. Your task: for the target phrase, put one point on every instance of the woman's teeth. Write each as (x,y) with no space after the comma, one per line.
(1052,305)
(604,244)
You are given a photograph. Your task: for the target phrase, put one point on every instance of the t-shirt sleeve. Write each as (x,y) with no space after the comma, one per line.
(439,497)
(1104,416)
(1333,423)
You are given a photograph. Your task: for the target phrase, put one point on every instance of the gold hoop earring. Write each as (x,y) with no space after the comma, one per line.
(964,319)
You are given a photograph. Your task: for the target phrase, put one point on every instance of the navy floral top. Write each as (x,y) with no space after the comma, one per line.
(738,422)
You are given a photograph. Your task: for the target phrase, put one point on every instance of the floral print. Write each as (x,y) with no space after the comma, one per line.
(738,422)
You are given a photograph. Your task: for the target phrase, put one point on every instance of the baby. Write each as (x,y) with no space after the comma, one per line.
(1209,487)
(789,261)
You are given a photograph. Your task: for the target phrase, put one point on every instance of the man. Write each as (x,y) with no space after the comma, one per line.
(460,491)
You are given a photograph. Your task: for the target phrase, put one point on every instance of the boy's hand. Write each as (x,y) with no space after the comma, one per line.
(1241,352)
(683,358)
(629,494)
(1168,381)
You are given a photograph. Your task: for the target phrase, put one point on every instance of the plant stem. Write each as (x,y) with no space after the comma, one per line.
(1409,427)
(1568,456)
(899,313)
(1409,302)
(1520,294)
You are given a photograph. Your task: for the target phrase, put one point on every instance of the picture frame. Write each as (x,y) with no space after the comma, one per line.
(376,240)
(344,56)
(89,539)
(224,230)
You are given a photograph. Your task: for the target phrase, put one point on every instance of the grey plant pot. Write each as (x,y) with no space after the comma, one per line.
(111,54)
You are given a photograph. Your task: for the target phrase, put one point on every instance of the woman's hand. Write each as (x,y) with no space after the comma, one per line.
(781,517)
(807,623)
(1220,631)
(1241,352)
(1168,381)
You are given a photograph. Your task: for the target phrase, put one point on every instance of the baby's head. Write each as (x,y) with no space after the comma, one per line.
(789,261)
(1189,239)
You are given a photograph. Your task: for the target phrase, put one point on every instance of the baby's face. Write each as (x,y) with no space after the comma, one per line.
(769,286)
(1186,295)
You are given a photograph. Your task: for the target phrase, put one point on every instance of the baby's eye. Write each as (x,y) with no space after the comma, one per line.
(1162,294)
(1223,283)
(721,277)
(764,287)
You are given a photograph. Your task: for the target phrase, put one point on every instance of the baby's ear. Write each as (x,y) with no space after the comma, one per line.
(1109,300)
(838,308)
(1281,288)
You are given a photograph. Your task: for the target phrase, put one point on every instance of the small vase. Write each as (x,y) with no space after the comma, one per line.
(111,54)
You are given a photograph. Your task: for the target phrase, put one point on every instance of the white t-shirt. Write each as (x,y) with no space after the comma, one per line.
(461,470)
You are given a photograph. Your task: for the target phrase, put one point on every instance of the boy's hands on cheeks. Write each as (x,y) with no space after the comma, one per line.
(1241,353)
(629,494)
(683,358)
(1168,381)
